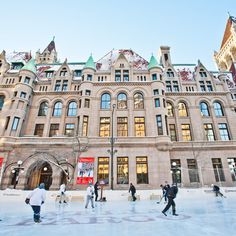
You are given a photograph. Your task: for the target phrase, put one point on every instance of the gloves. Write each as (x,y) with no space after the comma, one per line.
(42,202)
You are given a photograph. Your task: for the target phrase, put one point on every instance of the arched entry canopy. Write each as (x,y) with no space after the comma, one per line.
(42,167)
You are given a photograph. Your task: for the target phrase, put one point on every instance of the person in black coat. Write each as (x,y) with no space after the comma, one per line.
(171,194)
(216,190)
(132,189)
(96,188)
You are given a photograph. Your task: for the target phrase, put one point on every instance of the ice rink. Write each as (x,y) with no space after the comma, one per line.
(200,213)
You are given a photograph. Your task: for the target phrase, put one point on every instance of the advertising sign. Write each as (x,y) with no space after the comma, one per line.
(85,170)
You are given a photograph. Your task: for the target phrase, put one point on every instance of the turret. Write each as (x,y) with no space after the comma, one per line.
(88,70)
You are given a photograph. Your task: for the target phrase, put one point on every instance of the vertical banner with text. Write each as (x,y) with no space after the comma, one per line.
(85,170)
(1,161)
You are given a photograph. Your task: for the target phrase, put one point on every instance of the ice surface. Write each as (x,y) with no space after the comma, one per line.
(200,213)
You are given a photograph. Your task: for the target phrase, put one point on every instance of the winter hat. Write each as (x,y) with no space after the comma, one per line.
(42,186)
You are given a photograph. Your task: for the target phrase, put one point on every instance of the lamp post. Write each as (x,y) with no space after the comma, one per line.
(112,141)
(16,171)
(174,171)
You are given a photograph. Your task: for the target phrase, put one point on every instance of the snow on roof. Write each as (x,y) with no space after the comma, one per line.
(106,62)
(42,68)
(230,81)
(18,57)
(185,71)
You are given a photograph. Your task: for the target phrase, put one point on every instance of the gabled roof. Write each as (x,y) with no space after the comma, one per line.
(30,66)
(227,33)
(105,63)
(90,64)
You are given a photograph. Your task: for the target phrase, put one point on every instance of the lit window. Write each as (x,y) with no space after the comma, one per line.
(122,170)
(142,170)
(182,109)
(122,101)
(186,133)
(122,126)
(104,127)
(138,101)
(139,126)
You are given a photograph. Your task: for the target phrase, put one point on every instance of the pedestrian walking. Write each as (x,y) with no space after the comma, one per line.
(89,197)
(96,188)
(62,193)
(36,198)
(216,190)
(171,194)
(132,189)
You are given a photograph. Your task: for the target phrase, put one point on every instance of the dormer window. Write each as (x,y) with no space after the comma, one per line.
(77,73)
(203,73)
(17,65)
(49,74)
(126,75)
(63,72)
(170,73)
(117,75)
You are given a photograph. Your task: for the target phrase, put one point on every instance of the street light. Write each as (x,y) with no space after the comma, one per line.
(16,171)
(175,171)
(112,141)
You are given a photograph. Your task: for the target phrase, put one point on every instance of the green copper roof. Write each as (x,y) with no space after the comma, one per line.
(90,63)
(152,63)
(30,65)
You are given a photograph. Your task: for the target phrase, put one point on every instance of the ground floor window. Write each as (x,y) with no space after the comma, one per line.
(232,167)
(54,130)
(218,169)
(103,169)
(39,130)
(122,170)
(142,170)
(176,170)
(192,171)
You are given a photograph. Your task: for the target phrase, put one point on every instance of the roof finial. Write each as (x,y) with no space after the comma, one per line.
(53,38)
(229,14)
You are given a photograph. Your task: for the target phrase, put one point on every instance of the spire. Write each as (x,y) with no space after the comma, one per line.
(90,63)
(30,65)
(152,63)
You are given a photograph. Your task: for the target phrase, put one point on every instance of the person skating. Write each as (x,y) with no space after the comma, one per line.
(165,191)
(132,189)
(216,190)
(171,194)
(90,193)
(62,193)
(36,198)
(96,188)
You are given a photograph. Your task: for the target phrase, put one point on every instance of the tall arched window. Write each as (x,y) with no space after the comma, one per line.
(43,109)
(182,109)
(122,101)
(106,101)
(170,111)
(57,109)
(218,109)
(204,109)
(138,101)
(1,101)
(72,109)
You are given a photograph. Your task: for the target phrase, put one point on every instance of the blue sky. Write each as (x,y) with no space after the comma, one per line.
(193,29)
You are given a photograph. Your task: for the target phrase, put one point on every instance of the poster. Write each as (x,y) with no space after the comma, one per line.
(85,170)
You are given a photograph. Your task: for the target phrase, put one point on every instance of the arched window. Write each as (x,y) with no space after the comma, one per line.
(218,109)
(1,101)
(106,101)
(57,109)
(138,101)
(204,109)
(43,109)
(170,111)
(182,109)
(72,109)
(122,101)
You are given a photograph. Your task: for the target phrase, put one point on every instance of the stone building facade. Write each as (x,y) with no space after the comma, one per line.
(142,121)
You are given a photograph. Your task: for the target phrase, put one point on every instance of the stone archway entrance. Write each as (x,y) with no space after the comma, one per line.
(41,173)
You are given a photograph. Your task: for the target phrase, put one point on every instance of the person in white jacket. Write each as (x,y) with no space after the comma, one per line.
(62,193)
(37,198)
(90,193)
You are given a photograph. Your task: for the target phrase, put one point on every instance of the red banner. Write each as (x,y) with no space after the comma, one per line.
(1,161)
(85,170)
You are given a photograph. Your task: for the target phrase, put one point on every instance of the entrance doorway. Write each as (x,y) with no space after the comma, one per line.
(40,174)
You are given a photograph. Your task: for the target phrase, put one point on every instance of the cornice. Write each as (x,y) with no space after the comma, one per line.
(196,93)
(129,83)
